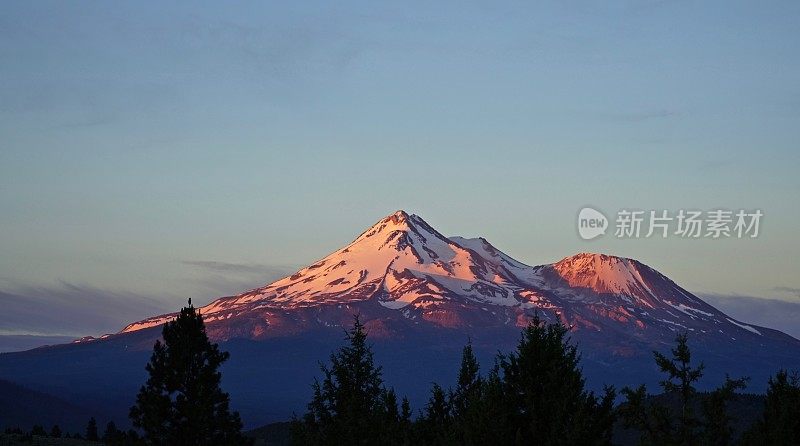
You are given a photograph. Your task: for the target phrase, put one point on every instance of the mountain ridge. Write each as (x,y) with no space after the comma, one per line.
(421,296)
(405,265)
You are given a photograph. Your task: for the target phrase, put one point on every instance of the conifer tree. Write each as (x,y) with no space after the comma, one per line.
(91,430)
(435,426)
(182,403)
(544,392)
(350,406)
(405,420)
(38,431)
(780,423)
(112,434)
(468,384)
(653,421)
(465,400)
(55,432)
(489,417)
(656,423)
(681,378)
(717,429)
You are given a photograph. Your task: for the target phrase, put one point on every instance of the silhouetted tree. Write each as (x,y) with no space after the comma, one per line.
(468,382)
(467,386)
(780,423)
(38,431)
(111,430)
(653,421)
(55,431)
(435,425)
(405,421)
(129,438)
(656,422)
(182,403)
(91,430)
(717,429)
(680,381)
(350,406)
(533,395)
(448,416)
(112,434)
(544,393)
(489,416)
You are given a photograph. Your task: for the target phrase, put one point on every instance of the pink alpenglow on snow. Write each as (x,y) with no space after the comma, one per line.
(404,268)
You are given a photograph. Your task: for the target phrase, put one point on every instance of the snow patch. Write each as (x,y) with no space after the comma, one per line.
(746,327)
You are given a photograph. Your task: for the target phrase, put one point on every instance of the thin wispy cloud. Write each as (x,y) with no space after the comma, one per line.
(69,309)
(788,289)
(226,278)
(228,267)
(771,313)
(263,271)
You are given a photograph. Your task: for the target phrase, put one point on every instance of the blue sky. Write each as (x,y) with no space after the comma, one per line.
(165,150)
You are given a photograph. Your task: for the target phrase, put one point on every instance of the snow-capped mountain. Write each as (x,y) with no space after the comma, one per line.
(422,296)
(404,266)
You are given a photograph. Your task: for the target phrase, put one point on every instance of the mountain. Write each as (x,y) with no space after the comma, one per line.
(15,342)
(404,265)
(421,295)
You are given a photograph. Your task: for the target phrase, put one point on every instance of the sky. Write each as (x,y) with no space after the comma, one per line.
(154,151)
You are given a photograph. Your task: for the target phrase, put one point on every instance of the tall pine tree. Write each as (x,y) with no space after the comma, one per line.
(182,403)
(468,384)
(436,424)
(465,400)
(658,425)
(681,377)
(351,406)
(91,430)
(544,392)
(780,423)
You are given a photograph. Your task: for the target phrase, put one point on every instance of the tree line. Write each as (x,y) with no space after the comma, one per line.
(535,394)
(111,435)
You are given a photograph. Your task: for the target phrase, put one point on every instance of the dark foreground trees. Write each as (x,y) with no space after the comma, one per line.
(351,406)
(182,403)
(660,424)
(545,393)
(91,430)
(780,423)
(534,395)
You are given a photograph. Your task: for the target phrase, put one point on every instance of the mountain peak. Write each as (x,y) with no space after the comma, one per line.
(399,229)
(595,257)
(399,217)
(597,263)
(603,273)
(400,220)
